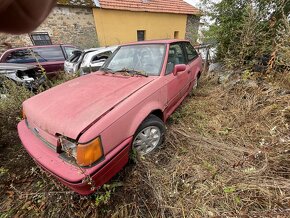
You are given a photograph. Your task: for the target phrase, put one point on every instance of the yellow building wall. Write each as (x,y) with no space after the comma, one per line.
(118,27)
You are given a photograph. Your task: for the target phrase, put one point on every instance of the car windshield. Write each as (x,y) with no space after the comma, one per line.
(145,59)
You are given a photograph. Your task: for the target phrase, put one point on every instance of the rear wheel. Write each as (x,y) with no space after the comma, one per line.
(149,135)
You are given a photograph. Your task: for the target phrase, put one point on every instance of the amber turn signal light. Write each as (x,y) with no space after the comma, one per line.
(89,153)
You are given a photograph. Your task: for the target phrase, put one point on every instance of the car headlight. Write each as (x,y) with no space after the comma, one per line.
(84,154)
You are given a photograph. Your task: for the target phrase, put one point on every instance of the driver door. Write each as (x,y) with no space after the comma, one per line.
(176,85)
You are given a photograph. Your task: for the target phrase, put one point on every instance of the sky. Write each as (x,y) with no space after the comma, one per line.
(196,3)
(193,2)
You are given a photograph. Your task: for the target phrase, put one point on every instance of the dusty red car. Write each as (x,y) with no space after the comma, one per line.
(83,130)
(50,57)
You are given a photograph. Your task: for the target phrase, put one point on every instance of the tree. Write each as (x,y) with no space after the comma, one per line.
(246,29)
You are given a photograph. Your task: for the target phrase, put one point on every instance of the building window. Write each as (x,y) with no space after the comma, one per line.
(176,34)
(40,38)
(140,35)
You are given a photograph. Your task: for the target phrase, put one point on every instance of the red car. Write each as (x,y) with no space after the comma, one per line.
(82,131)
(50,57)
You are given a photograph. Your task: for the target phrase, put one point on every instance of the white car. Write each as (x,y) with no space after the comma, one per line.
(87,61)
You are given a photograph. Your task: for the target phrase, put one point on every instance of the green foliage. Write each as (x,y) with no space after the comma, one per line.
(134,155)
(102,198)
(12,96)
(246,30)
(11,100)
(229,190)
(3,171)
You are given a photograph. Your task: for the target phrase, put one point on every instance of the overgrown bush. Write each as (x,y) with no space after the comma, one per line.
(248,30)
(11,100)
(12,96)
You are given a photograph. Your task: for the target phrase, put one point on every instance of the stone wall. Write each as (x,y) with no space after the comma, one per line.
(65,25)
(192,26)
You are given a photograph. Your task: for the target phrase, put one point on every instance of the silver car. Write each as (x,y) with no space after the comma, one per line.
(23,74)
(87,61)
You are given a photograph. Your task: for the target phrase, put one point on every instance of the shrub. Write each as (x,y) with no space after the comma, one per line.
(12,96)
(11,100)
(248,30)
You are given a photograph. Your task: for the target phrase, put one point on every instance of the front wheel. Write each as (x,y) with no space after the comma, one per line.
(149,135)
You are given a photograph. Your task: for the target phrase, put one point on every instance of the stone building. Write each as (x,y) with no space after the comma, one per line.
(91,23)
(70,22)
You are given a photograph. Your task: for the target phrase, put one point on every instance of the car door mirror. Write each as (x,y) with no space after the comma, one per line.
(178,68)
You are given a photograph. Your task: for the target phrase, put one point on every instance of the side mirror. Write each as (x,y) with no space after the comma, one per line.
(178,68)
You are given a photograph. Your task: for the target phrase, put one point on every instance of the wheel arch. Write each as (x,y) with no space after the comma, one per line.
(141,115)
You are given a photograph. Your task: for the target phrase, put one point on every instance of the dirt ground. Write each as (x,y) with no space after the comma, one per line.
(226,154)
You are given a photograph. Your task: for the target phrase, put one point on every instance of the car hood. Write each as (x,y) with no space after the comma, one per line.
(70,108)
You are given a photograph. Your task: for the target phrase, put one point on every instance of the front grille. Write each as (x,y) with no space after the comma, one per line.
(35,131)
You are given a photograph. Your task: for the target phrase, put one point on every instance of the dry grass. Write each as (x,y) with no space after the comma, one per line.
(227,154)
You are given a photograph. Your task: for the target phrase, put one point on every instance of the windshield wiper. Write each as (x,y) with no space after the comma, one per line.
(132,72)
(106,70)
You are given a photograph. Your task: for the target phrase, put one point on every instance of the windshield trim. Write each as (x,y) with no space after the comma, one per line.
(105,65)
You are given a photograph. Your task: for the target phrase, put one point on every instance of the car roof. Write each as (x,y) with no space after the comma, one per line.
(161,41)
(39,46)
(101,48)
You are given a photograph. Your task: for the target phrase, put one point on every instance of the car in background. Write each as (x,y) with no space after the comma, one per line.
(87,61)
(83,131)
(50,57)
(22,74)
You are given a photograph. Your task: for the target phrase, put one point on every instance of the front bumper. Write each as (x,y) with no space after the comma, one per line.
(70,175)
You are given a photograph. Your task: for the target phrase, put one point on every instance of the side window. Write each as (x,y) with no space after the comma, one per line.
(175,56)
(191,52)
(74,58)
(49,54)
(101,56)
(69,51)
(21,56)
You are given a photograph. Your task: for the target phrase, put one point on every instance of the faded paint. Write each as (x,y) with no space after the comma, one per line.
(116,127)
(117,27)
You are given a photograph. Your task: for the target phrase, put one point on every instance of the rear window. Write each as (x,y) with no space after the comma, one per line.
(35,54)
(21,56)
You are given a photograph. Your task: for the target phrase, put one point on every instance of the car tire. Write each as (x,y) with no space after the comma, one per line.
(149,135)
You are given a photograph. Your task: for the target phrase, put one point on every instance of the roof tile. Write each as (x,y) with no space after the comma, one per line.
(165,6)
